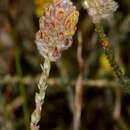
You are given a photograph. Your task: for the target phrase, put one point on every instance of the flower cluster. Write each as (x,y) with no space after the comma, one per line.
(100,9)
(57,26)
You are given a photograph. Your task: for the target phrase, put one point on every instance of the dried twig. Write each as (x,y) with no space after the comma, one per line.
(78,86)
(30,81)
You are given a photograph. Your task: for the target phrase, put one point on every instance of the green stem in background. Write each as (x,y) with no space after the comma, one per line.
(21,85)
(120,123)
(109,52)
(39,97)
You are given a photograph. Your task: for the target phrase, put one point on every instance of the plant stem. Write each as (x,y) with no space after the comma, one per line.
(120,124)
(108,50)
(39,97)
(21,87)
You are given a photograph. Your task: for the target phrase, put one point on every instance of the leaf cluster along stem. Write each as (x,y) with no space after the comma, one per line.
(39,97)
(109,52)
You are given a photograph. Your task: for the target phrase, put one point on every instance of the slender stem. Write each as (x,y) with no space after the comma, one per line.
(109,52)
(39,97)
(120,124)
(78,86)
(21,85)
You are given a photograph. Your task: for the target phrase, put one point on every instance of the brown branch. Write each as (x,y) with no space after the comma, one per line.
(78,86)
(29,80)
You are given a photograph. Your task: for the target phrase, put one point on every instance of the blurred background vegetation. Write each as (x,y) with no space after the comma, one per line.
(81,83)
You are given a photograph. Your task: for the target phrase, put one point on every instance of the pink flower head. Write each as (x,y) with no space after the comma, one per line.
(57,27)
(100,9)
